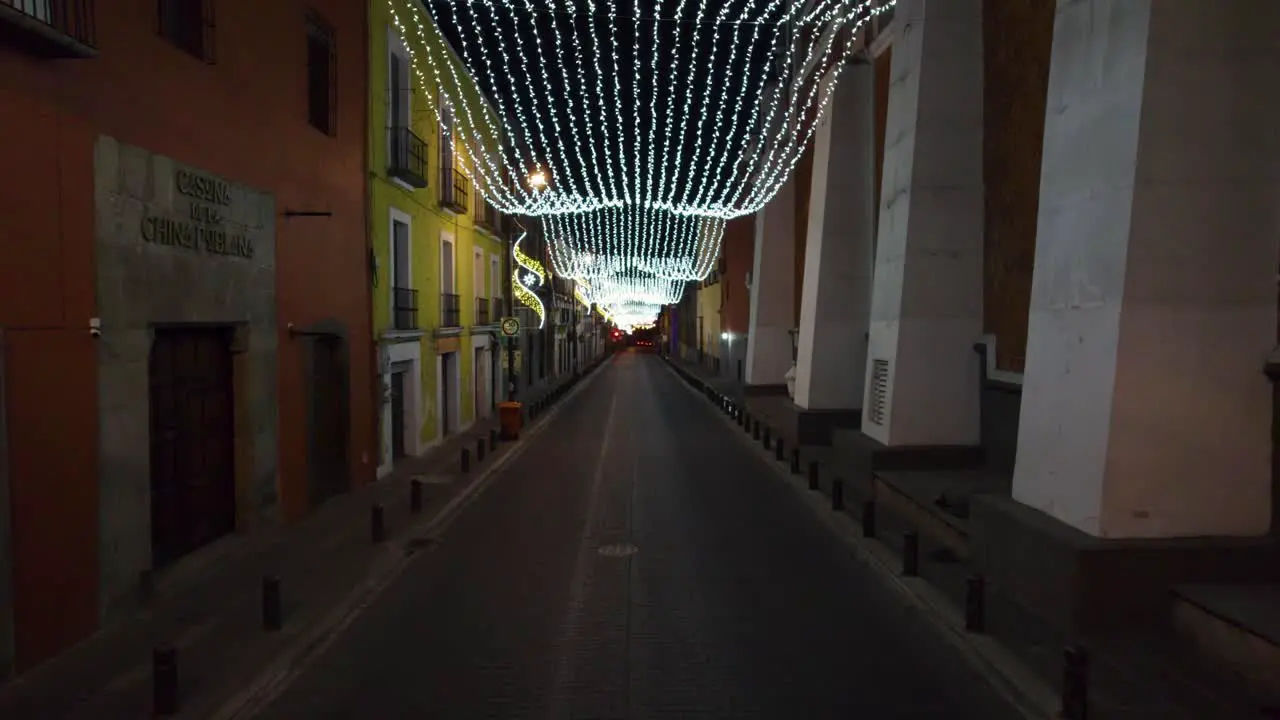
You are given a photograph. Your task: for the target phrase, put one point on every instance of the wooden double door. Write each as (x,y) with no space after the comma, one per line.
(192,403)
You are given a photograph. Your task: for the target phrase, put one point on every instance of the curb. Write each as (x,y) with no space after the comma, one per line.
(291,661)
(1009,677)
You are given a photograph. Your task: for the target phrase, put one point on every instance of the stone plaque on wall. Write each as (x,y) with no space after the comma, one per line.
(176,245)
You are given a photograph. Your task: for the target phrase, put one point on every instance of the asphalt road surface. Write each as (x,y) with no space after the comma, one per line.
(638,561)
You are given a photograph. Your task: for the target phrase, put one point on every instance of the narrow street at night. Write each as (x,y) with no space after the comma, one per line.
(638,560)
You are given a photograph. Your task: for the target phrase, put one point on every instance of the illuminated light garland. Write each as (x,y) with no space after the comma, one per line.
(596,150)
(635,213)
(528,279)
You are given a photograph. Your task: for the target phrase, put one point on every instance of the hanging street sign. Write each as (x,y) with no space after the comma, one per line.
(510,326)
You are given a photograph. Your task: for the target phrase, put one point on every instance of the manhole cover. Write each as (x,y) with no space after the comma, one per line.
(433,479)
(617,550)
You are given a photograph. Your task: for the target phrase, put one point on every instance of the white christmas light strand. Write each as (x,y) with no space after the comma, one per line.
(584,183)
(636,215)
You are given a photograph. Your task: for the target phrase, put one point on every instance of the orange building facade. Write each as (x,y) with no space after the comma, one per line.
(185,349)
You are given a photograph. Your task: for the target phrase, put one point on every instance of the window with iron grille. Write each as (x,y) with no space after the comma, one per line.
(322,76)
(189,25)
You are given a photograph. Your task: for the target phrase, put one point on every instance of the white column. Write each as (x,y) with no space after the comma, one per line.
(926,308)
(836,297)
(1145,413)
(773,282)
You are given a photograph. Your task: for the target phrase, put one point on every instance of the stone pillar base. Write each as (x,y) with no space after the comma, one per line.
(865,456)
(1081,584)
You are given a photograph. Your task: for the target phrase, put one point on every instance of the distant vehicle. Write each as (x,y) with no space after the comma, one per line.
(643,338)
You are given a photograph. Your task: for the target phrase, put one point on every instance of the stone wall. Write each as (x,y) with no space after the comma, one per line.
(176,245)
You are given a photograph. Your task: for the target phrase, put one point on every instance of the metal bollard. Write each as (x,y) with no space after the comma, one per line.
(377,524)
(910,553)
(869,519)
(813,475)
(271,615)
(766,439)
(164,680)
(795,461)
(975,604)
(837,494)
(778,453)
(466,460)
(493,438)
(1075,683)
(755,429)
(415,495)
(479,449)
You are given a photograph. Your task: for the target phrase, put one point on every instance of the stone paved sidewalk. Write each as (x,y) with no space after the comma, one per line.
(1130,678)
(213,617)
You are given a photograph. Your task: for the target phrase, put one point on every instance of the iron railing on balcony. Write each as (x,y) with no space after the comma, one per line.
(454,189)
(487,216)
(408,160)
(482,311)
(450,310)
(497,309)
(404,308)
(50,28)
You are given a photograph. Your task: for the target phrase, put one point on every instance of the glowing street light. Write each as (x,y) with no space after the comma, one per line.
(537,179)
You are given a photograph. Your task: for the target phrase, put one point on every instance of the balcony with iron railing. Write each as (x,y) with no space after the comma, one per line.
(408,157)
(50,28)
(487,217)
(450,310)
(497,309)
(404,308)
(482,312)
(455,189)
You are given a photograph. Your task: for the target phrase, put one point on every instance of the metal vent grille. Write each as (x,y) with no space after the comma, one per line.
(879,390)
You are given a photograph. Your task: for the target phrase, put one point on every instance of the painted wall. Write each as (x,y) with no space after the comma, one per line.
(1018,43)
(709,312)
(738,250)
(245,118)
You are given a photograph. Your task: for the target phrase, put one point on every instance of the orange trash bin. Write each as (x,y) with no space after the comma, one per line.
(510,418)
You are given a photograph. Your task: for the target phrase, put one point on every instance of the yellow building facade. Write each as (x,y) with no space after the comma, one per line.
(709,320)
(439,256)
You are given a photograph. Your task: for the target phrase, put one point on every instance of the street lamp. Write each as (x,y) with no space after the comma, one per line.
(537,179)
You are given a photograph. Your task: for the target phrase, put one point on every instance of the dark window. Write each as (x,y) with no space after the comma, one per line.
(322,80)
(189,25)
(399,92)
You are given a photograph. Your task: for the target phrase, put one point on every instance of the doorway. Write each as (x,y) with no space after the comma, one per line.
(448,388)
(330,474)
(481,372)
(192,428)
(397,415)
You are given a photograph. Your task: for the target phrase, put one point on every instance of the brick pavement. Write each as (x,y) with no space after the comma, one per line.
(212,612)
(1131,678)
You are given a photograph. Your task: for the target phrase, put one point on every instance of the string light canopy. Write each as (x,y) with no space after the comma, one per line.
(634,128)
